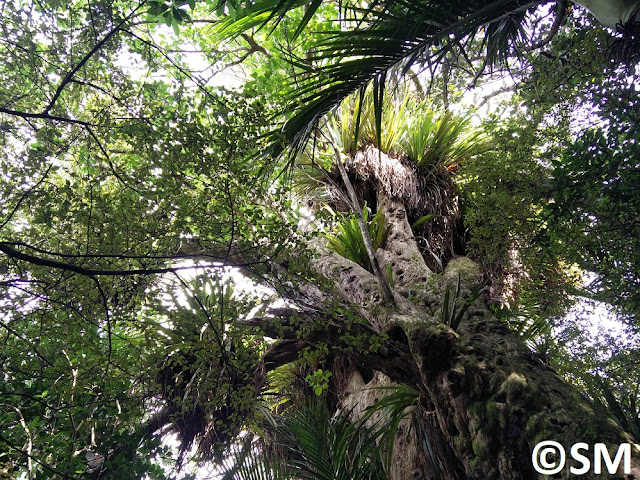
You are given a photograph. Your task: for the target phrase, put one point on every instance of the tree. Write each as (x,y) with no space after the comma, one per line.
(115,183)
(385,37)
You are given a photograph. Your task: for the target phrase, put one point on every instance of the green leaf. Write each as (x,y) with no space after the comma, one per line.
(423,219)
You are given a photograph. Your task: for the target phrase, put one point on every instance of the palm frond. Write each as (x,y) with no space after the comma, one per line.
(526,323)
(308,443)
(387,35)
(395,406)
(396,37)
(311,180)
(398,403)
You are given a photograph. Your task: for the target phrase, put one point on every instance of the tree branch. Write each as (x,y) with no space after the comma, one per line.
(391,356)
(86,58)
(24,197)
(13,253)
(254,45)
(35,459)
(562,12)
(45,116)
(355,206)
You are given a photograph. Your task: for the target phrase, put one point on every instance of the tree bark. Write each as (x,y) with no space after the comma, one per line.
(490,401)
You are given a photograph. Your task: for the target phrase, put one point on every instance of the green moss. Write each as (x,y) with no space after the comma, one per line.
(481,445)
(461,443)
(494,416)
(468,270)
(513,386)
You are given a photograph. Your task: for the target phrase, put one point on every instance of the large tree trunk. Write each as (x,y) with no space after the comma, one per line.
(490,401)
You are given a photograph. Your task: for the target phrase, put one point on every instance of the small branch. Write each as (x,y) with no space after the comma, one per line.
(39,462)
(562,13)
(110,163)
(24,197)
(477,76)
(29,445)
(17,334)
(90,272)
(221,257)
(105,305)
(193,78)
(45,116)
(254,45)
(86,58)
(355,205)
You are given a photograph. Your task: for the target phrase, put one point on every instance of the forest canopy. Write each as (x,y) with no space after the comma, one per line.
(300,236)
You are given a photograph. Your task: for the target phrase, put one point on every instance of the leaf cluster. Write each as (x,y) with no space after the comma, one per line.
(347,240)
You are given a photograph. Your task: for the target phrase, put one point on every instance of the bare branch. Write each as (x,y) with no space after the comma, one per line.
(90,272)
(254,45)
(45,116)
(562,13)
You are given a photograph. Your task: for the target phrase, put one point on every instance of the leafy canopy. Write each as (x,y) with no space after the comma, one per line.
(122,168)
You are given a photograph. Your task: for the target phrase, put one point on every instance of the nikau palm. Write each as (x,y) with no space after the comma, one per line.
(387,38)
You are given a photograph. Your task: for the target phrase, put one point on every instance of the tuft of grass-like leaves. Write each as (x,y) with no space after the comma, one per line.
(454,306)
(433,139)
(347,240)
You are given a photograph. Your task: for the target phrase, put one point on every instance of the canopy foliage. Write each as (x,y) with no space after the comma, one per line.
(155,241)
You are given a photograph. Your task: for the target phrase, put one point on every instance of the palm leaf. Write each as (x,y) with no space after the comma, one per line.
(423,219)
(385,36)
(308,443)
(408,33)
(526,323)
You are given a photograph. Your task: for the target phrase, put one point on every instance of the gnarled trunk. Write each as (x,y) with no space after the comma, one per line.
(489,400)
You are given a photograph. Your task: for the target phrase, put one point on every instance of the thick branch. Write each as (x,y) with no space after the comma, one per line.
(402,255)
(91,272)
(391,356)
(45,116)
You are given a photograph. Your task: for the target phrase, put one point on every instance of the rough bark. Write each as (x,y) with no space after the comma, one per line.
(491,401)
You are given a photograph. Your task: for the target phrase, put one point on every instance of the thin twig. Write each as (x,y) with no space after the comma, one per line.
(562,12)
(24,196)
(86,58)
